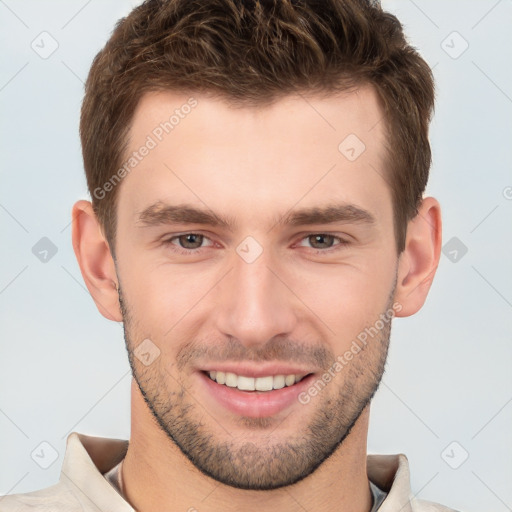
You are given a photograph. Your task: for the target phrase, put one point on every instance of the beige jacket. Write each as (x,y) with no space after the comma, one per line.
(83,488)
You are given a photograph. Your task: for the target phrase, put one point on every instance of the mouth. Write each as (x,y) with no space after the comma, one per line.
(254,393)
(263,384)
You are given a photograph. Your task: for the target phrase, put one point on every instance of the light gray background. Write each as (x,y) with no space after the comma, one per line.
(63,367)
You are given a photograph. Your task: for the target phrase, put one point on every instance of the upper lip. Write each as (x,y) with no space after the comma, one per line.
(261,370)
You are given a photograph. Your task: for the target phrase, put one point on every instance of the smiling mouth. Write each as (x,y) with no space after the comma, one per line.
(244,383)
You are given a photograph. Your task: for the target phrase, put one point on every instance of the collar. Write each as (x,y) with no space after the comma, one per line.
(85,461)
(87,458)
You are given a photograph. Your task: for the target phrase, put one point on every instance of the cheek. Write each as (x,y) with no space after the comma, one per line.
(170,301)
(344,298)
(162,297)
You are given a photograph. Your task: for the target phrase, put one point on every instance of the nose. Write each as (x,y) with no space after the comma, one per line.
(254,303)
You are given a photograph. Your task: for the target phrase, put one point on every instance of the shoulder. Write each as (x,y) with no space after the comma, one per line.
(57,498)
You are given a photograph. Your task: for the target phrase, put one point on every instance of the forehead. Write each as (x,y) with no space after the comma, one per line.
(293,116)
(203,150)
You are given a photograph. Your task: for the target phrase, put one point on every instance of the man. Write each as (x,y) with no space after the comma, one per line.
(257,172)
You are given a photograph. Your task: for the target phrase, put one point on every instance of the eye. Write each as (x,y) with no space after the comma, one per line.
(322,241)
(188,241)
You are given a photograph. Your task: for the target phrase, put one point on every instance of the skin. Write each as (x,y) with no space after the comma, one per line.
(300,302)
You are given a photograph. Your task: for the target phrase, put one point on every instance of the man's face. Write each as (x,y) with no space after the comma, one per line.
(277,290)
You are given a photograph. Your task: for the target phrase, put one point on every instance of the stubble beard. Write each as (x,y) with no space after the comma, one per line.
(239,461)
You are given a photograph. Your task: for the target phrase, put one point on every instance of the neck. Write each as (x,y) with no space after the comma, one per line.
(157,476)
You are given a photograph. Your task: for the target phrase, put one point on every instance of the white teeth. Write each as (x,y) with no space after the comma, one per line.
(264,383)
(289,380)
(279,382)
(244,383)
(231,380)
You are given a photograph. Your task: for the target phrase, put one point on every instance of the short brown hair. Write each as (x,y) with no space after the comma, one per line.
(253,52)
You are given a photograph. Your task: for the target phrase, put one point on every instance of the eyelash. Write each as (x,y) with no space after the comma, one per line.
(181,250)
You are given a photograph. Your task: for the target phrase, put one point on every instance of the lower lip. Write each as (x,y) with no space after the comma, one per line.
(255,404)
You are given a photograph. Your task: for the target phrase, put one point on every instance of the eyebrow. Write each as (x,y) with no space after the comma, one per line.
(161,213)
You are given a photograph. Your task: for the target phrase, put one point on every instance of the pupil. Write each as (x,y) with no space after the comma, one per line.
(322,239)
(194,240)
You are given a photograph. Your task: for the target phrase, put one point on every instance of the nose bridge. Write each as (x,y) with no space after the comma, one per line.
(254,304)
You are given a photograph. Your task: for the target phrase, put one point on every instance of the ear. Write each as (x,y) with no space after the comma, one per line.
(420,258)
(96,263)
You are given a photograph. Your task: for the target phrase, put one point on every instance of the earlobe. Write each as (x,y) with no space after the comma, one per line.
(95,260)
(420,258)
